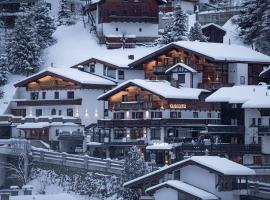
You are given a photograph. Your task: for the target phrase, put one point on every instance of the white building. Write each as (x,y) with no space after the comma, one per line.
(199,177)
(248,106)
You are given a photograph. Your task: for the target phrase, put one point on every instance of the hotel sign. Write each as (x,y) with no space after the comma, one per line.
(178,106)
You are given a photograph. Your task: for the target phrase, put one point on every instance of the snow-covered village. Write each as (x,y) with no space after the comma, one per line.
(134,99)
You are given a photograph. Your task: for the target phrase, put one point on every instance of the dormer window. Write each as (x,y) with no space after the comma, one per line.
(92,68)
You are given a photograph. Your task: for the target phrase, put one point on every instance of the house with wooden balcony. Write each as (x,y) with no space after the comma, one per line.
(126,21)
(144,112)
(57,93)
(203,65)
(247,107)
(198,178)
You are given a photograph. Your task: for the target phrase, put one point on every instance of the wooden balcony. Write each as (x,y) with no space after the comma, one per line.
(224,129)
(136,105)
(264,130)
(49,102)
(199,149)
(124,18)
(214,85)
(154,122)
(160,70)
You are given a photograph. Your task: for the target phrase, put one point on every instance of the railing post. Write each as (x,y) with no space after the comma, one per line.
(108,164)
(42,155)
(64,158)
(256,188)
(86,158)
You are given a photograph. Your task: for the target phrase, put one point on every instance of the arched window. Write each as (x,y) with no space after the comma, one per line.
(53,112)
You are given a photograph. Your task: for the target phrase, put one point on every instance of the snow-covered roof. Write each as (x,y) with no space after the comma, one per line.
(161,88)
(60,196)
(219,52)
(181,65)
(33,125)
(72,74)
(160,146)
(213,24)
(179,185)
(251,96)
(215,163)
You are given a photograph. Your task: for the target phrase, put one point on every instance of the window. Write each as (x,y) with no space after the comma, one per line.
(175,115)
(195,115)
(92,68)
(70,112)
(53,112)
(59,112)
(259,121)
(106,113)
(137,97)
(57,132)
(34,95)
(70,95)
(119,115)
(155,133)
(113,12)
(116,29)
(209,115)
(140,29)
(121,74)
(242,80)
(181,78)
(119,133)
(124,98)
(137,115)
(234,106)
(234,122)
(156,114)
(38,112)
(56,95)
(253,122)
(43,95)
(187,60)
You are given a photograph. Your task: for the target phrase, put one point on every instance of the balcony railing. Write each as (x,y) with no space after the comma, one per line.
(223,129)
(214,85)
(49,102)
(124,18)
(264,129)
(154,122)
(220,148)
(136,105)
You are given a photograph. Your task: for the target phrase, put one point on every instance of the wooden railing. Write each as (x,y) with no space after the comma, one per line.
(218,129)
(78,161)
(259,190)
(48,102)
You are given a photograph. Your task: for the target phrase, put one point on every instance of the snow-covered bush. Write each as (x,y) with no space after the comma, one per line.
(3,69)
(180,20)
(64,14)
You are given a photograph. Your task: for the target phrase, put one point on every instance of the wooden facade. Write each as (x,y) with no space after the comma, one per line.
(129,11)
(214,33)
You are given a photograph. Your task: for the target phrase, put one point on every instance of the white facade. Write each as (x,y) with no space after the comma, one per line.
(166,193)
(238,73)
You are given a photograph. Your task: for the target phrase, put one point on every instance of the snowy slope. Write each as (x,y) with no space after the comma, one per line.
(75,44)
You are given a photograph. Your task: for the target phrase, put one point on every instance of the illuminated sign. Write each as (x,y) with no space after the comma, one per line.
(178,106)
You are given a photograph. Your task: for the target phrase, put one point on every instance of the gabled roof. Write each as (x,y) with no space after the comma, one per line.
(69,74)
(218,52)
(96,60)
(215,25)
(159,88)
(212,163)
(190,69)
(185,188)
(250,96)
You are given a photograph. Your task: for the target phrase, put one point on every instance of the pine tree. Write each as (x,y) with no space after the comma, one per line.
(23,51)
(44,24)
(134,167)
(167,33)
(64,14)
(3,69)
(195,33)
(179,30)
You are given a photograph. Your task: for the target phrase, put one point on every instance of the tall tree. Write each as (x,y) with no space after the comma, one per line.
(179,29)
(166,35)
(195,33)
(64,14)
(3,69)
(23,51)
(44,24)
(134,167)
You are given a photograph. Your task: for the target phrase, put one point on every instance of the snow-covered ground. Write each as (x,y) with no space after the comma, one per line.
(75,44)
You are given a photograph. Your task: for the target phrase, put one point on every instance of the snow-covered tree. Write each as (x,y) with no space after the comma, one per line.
(64,15)
(196,33)
(179,29)
(44,24)
(166,35)
(3,69)
(134,167)
(23,51)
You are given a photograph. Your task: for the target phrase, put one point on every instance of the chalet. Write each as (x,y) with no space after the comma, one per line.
(55,104)
(146,112)
(214,32)
(186,180)
(203,65)
(137,19)
(247,107)
(189,6)
(107,69)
